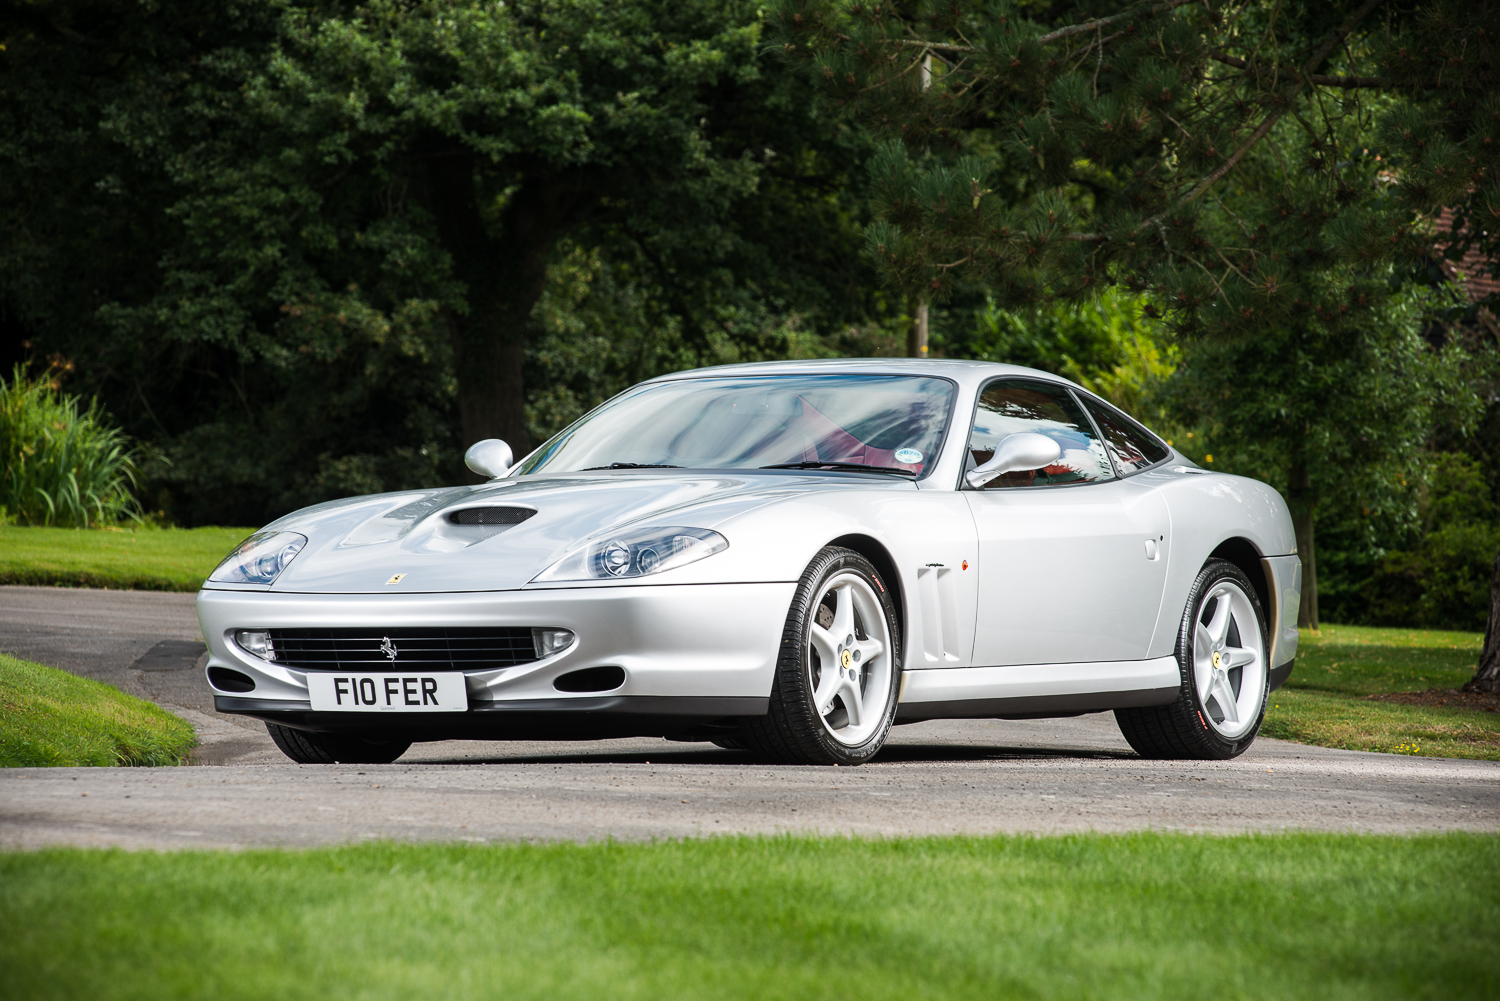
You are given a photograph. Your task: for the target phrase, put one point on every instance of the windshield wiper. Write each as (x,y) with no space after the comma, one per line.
(632,465)
(842,465)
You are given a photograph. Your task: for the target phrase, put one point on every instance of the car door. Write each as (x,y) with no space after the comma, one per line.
(1072,558)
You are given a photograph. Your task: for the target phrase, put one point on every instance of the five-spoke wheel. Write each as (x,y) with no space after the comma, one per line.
(837,678)
(1221,649)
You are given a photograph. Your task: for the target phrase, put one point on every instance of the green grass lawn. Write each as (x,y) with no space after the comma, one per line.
(146,559)
(1321,704)
(1140,916)
(50,717)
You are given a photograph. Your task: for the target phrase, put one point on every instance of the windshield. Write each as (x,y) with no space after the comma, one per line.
(893,423)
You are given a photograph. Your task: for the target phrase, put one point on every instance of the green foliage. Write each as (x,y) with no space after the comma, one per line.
(1444,581)
(1148,915)
(63,464)
(141,559)
(1353,406)
(301,246)
(1046,152)
(50,717)
(1106,345)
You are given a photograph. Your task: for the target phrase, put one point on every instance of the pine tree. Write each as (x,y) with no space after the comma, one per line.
(1240,164)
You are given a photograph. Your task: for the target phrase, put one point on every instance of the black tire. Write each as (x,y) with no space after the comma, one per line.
(327,749)
(1182,730)
(792,731)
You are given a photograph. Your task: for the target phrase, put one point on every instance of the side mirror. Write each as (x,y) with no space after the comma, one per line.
(490,457)
(1022,450)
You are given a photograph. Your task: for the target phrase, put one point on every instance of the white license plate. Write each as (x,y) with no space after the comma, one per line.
(388,693)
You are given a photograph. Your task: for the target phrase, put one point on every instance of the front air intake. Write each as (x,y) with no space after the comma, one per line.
(227,680)
(591,679)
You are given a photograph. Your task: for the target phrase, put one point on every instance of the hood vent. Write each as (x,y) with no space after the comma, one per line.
(496,517)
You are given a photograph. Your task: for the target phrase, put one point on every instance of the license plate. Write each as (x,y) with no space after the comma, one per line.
(388,693)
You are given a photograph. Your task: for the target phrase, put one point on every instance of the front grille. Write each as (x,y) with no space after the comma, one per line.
(439,649)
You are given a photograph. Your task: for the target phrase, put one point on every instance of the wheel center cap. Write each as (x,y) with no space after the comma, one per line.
(848,658)
(1217,659)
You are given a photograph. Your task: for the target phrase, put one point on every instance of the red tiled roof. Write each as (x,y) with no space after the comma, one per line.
(1475,270)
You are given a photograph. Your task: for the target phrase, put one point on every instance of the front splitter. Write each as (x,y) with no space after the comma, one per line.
(595,718)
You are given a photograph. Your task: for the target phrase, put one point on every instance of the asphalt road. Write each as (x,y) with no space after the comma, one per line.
(938,777)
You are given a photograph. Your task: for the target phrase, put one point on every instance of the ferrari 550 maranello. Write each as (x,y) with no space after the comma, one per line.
(786,557)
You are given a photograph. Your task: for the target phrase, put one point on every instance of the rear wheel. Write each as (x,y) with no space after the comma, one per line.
(1221,650)
(838,674)
(327,749)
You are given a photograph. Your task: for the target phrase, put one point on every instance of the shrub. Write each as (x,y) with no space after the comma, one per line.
(1444,582)
(64,465)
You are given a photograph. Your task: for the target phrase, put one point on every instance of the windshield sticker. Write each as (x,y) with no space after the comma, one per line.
(908,455)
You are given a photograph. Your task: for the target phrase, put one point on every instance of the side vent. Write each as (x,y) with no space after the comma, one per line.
(939,603)
(500,517)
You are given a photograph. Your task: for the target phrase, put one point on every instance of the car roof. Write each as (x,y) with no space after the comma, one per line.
(969,374)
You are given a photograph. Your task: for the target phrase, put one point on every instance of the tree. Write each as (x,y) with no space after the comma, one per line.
(1340,417)
(1487,674)
(289,240)
(1058,150)
(1263,174)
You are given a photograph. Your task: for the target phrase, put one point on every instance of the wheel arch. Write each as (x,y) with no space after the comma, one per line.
(872,550)
(1243,554)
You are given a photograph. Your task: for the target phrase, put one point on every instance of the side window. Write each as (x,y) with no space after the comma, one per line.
(1013,405)
(1132,446)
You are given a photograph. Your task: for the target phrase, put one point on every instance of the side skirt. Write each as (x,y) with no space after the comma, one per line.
(1037,706)
(1036,691)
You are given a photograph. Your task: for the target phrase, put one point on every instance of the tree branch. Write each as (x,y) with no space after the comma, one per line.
(1100,22)
(1350,23)
(1060,33)
(1347,82)
(1265,126)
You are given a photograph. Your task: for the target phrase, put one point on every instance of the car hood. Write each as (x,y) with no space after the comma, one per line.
(361,544)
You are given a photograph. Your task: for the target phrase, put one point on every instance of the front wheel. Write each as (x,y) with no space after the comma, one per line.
(1221,650)
(327,749)
(838,675)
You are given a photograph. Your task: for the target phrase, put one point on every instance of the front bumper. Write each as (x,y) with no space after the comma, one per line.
(689,653)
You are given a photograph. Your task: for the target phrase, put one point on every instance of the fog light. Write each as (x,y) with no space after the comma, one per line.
(550,641)
(256,642)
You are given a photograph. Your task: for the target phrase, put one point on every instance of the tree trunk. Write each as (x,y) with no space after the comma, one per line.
(1301,501)
(916,334)
(1487,677)
(505,275)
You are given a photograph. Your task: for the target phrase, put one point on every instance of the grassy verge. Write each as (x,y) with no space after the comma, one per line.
(1322,703)
(50,717)
(1148,916)
(148,559)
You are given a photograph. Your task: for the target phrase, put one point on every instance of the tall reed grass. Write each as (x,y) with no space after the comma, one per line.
(64,465)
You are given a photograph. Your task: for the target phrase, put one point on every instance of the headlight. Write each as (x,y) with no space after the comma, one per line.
(636,553)
(259,559)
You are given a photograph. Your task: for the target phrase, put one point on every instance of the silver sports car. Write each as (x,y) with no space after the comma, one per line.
(789,557)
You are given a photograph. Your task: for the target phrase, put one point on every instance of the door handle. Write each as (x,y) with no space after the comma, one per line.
(1152,552)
